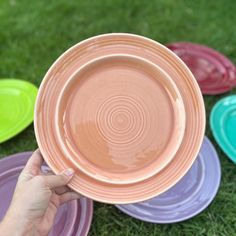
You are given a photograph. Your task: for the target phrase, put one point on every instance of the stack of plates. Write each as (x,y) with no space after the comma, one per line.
(73,218)
(214,72)
(123,111)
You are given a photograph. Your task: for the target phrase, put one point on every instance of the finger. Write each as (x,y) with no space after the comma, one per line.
(57,190)
(35,162)
(54,181)
(61,190)
(32,167)
(51,211)
(69,196)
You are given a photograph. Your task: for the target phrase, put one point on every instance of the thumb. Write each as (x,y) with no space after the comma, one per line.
(59,180)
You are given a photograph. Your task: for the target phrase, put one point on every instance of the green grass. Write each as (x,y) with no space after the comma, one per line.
(34,33)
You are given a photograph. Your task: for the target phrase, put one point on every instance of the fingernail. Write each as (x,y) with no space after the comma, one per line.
(69,172)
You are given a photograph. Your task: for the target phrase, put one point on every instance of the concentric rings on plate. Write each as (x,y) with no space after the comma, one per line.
(112,135)
(190,196)
(223,125)
(73,218)
(46,127)
(214,72)
(17,99)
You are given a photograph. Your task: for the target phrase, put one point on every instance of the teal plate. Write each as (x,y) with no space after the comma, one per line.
(223,125)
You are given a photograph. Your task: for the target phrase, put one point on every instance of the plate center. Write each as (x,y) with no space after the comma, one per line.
(121,114)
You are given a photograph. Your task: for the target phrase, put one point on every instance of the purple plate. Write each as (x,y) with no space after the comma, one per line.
(84,219)
(190,196)
(73,218)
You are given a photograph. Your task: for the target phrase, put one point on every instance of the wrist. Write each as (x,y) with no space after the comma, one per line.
(15,224)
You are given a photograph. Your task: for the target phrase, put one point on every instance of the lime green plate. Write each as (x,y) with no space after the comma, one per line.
(17,98)
(223,125)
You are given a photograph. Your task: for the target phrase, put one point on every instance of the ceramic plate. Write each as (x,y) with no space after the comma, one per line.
(214,72)
(107,45)
(73,218)
(17,98)
(223,125)
(190,196)
(115,135)
(84,217)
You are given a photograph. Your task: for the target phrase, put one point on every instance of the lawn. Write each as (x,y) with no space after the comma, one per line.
(34,33)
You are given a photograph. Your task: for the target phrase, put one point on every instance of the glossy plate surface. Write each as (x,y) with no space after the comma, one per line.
(84,217)
(120,119)
(17,98)
(73,218)
(223,125)
(214,72)
(190,196)
(105,45)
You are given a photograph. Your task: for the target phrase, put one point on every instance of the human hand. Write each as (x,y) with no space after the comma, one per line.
(36,199)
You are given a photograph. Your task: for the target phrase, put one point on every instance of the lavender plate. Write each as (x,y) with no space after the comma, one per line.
(190,196)
(73,218)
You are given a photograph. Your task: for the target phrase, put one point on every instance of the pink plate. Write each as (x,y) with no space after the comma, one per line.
(115,135)
(62,71)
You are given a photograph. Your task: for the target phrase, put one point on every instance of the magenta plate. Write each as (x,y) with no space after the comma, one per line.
(214,72)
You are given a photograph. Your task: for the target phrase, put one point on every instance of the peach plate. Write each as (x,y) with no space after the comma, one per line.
(120,119)
(108,44)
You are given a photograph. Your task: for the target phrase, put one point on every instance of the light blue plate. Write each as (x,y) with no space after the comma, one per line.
(223,125)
